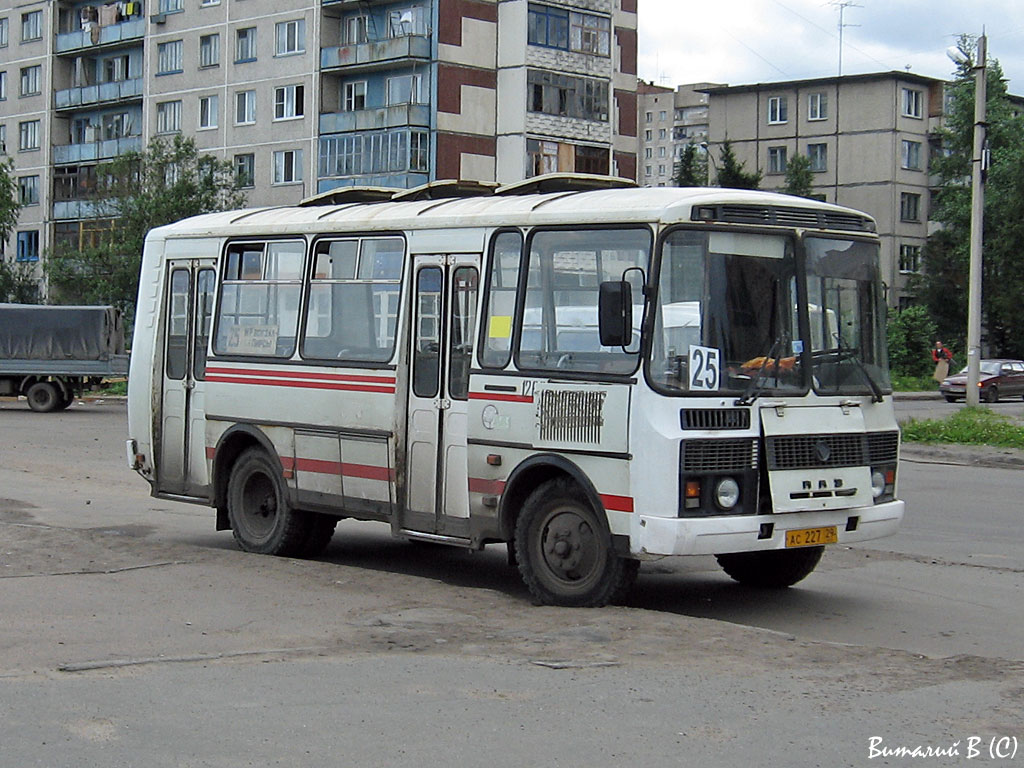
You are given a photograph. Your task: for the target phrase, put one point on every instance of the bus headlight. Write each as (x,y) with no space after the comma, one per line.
(877,483)
(727,493)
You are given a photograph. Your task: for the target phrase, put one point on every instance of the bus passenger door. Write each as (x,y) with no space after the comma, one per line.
(189,308)
(444,317)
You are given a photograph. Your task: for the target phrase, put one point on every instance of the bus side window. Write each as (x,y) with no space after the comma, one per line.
(427,341)
(205,282)
(503,280)
(463,323)
(177,324)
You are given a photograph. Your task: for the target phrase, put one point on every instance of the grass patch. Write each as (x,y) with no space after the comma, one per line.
(969,426)
(914,383)
(114,387)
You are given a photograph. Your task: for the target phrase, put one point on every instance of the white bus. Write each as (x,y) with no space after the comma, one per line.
(595,376)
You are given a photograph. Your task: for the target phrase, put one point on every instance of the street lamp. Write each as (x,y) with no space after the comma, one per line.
(711,159)
(977,221)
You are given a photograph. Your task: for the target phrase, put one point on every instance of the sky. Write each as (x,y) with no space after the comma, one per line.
(738,42)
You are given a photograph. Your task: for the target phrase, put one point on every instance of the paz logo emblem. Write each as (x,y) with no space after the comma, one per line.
(822,450)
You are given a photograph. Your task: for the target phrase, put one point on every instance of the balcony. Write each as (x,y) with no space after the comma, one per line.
(398,116)
(398,180)
(75,98)
(77,209)
(113,34)
(375,55)
(64,154)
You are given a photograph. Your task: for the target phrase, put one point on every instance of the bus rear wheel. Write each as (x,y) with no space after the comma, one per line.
(261,518)
(564,551)
(773,568)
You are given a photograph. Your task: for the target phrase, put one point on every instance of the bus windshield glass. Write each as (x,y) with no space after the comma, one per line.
(726,319)
(846,308)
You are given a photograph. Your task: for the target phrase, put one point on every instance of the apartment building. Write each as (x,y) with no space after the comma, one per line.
(669,121)
(304,96)
(868,138)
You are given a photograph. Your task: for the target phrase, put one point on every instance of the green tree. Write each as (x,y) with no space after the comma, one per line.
(691,170)
(910,335)
(17,281)
(732,173)
(798,176)
(166,182)
(942,286)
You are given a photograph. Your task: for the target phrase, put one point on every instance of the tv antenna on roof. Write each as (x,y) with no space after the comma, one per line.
(842,5)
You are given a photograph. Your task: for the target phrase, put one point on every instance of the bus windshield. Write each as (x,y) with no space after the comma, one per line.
(847,317)
(725,318)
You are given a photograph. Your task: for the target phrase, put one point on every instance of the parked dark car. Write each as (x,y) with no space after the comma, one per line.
(998,378)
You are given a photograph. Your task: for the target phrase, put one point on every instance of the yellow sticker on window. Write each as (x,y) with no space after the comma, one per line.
(500,327)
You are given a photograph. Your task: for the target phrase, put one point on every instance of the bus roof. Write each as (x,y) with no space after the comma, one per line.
(664,205)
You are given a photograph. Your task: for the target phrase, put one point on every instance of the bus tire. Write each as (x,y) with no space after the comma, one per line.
(321,531)
(262,520)
(43,397)
(564,551)
(773,568)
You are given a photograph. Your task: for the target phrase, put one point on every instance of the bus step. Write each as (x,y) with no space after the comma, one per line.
(435,537)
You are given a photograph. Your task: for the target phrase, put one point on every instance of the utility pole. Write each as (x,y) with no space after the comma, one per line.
(977,225)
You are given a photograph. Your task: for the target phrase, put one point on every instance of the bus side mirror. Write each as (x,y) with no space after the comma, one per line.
(615,313)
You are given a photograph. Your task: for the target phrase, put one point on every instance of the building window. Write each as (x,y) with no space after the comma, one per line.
(648,153)
(3,140)
(661,152)
(647,170)
(28,135)
(290,37)
(818,155)
(168,117)
(115,68)
(569,30)
(778,110)
(354,96)
(245,170)
(169,58)
(647,135)
(28,246)
(209,50)
(541,157)
(287,166)
(355,30)
(910,206)
(209,107)
(31,28)
(31,80)
(3,86)
(591,160)
(567,96)
(289,102)
(4,25)
(911,103)
(170,6)
(589,33)
(776,159)
(404,89)
(403,22)
(817,106)
(648,117)
(207,3)
(117,125)
(28,190)
(379,152)
(245,45)
(910,259)
(912,155)
(245,107)
(661,170)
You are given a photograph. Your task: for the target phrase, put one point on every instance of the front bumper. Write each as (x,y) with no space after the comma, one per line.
(718,535)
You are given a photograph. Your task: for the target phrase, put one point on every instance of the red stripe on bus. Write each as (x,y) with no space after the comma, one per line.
(617,503)
(211,452)
(381,388)
(322,467)
(302,375)
(499,396)
(491,487)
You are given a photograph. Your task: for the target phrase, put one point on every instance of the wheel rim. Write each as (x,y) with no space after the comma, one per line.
(259,506)
(571,555)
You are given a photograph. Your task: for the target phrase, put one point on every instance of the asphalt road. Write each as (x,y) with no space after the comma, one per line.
(131,633)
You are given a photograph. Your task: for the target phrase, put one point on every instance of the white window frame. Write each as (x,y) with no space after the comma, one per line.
(818,157)
(246,35)
(3,85)
(248,161)
(209,111)
(28,190)
(290,37)
(289,102)
(913,101)
(246,99)
(354,29)
(169,57)
(778,110)
(209,50)
(909,259)
(31,26)
(403,22)
(910,155)
(287,167)
(31,80)
(208,3)
(817,106)
(353,96)
(415,89)
(115,69)
(5,32)
(168,117)
(777,159)
(28,135)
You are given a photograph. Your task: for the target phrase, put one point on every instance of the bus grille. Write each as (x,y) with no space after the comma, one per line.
(701,456)
(715,418)
(790,217)
(570,416)
(831,450)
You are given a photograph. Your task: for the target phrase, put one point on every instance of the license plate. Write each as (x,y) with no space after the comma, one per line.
(812,537)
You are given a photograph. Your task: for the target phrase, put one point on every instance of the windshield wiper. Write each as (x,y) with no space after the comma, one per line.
(876,391)
(754,386)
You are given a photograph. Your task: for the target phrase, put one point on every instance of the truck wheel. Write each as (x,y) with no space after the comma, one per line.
(66,399)
(43,397)
(261,518)
(564,550)
(773,568)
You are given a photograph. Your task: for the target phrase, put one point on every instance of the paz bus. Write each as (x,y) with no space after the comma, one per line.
(591,373)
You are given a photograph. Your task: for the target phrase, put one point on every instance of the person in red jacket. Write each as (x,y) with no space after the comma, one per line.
(942,357)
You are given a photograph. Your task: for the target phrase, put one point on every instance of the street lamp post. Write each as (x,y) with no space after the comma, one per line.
(977,228)
(711,161)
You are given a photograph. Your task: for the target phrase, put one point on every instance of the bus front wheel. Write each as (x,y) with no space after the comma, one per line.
(261,518)
(771,569)
(564,551)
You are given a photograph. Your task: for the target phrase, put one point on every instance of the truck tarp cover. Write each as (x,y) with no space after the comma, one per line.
(30,332)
